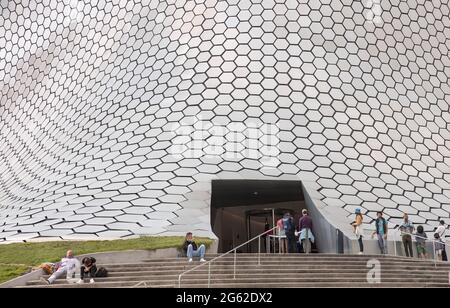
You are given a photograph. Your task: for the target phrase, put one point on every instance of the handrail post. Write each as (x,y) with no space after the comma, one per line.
(395,243)
(279,244)
(259,251)
(337,241)
(234,267)
(179,281)
(209,275)
(434,254)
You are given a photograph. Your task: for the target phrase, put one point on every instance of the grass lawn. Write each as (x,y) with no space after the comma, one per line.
(17,258)
(8,272)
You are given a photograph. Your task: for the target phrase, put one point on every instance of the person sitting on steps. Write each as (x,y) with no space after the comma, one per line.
(67,266)
(191,250)
(88,268)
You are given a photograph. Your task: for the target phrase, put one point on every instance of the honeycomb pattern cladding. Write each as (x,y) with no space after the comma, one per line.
(90,93)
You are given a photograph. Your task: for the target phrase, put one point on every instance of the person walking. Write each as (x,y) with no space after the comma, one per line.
(381,230)
(358,230)
(305,226)
(407,230)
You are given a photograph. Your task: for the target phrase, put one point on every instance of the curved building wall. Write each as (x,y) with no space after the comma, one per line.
(115,116)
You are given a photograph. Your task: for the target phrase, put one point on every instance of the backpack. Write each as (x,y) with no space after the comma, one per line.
(101,272)
(47,268)
(288,225)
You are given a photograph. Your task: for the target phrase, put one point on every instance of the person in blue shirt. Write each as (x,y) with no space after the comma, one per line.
(381,230)
(358,229)
(407,230)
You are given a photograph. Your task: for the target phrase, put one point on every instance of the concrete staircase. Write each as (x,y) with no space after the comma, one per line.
(295,270)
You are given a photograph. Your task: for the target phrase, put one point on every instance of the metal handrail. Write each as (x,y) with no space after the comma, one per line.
(227,253)
(434,241)
(445,242)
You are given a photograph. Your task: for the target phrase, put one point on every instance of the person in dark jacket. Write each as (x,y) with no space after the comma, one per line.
(381,230)
(305,226)
(88,268)
(289,230)
(421,239)
(191,250)
(266,236)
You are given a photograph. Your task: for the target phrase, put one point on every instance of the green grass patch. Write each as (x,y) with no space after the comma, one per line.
(8,272)
(18,257)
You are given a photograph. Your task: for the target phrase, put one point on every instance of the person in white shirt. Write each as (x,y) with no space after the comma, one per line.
(441,232)
(68,266)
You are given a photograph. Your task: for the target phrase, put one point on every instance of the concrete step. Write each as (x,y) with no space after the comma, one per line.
(314,255)
(267,277)
(339,284)
(320,285)
(293,259)
(293,255)
(299,255)
(277,271)
(290,270)
(274,271)
(270,262)
(114,284)
(291,267)
(336,280)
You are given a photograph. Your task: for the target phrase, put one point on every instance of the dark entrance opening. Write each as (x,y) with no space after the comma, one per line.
(240,209)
